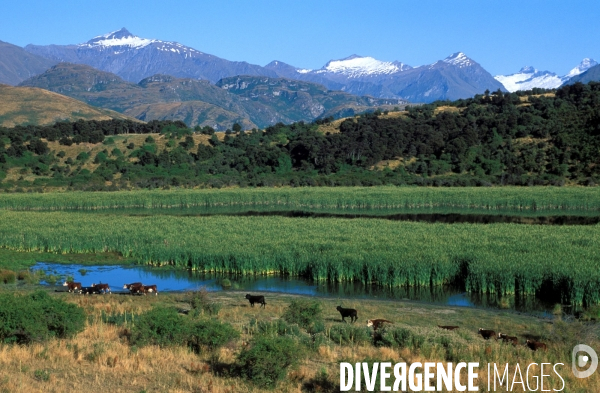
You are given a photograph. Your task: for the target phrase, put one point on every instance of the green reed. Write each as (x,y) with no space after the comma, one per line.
(494,258)
(547,200)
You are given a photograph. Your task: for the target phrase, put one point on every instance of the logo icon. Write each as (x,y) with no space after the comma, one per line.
(580,360)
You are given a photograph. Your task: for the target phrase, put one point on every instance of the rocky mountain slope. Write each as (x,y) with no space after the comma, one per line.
(457,76)
(134,58)
(248,100)
(16,64)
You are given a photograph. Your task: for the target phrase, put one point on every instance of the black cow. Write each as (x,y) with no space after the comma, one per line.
(90,290)
(487,334)
(256,299)
(348,312)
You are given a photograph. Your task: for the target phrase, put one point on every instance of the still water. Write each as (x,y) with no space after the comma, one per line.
(171,280)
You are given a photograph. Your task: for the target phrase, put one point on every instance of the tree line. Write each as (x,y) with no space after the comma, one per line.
(538,137)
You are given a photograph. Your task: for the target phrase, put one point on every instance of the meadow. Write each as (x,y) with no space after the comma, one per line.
(103,356)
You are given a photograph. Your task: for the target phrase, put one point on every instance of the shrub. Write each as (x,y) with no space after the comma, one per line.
(83,156)
(306,313)
(346,334)
(401,338)
(211,334)
(267,359)
(7,276)
(37,317)
(200,301)
(160,326)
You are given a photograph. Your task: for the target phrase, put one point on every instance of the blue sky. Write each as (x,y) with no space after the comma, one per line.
(502,35)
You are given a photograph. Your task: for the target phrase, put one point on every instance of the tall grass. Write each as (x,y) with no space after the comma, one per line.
(494,258)
(499,199)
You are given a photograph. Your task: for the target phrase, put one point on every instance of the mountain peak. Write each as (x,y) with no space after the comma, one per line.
(585,65)
(120,37)
(458,59)
(527,70)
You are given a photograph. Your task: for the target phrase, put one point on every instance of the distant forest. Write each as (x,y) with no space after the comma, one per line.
(538,137)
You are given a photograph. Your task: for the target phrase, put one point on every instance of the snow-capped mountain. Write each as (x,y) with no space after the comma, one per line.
(456,76)
(134,58)
(459,59)
(528,77)
(358,66)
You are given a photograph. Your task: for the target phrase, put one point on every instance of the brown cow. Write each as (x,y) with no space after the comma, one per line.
(149,289)
(377,323)
(101,288)
(536,345)
(72,286)
(508,339)
(135,287)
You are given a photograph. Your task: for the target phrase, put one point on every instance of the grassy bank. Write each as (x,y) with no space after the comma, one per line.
(102,356)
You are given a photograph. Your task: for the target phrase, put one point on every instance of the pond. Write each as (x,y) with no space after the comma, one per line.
(172,280)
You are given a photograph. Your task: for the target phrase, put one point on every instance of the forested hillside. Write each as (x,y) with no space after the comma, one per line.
(538,137)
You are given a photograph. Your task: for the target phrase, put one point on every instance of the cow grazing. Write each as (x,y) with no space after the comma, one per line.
(72,286)
(487,334)
(89,290)
(377,323)
(535,345)
(135,287)
(102,288)
(446,327)
(260,299)
(348,312)
(146,289)
(508,339)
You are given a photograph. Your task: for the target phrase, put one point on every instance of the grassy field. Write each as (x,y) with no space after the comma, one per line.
(495,258)
(28,105)
(522,200)
(101,358)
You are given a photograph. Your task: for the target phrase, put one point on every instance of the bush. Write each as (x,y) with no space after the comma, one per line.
(401,338)
(306,313)
(211,334)
(37,317)
(83,156)
(7,276)
(346,334)
(276,328)
(200,301)
(267,360)
(160,326)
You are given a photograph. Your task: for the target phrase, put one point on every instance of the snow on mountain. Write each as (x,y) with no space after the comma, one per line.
(123,39)
(459,59)
(585,65)
(359,66)
(528,77)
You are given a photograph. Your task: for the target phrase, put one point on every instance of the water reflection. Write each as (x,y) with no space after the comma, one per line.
(182,280)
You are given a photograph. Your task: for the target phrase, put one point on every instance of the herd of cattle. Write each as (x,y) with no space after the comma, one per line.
(486,334)
(136,288)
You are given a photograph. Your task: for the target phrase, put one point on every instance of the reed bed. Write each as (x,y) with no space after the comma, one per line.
(495,258)
(490,199)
